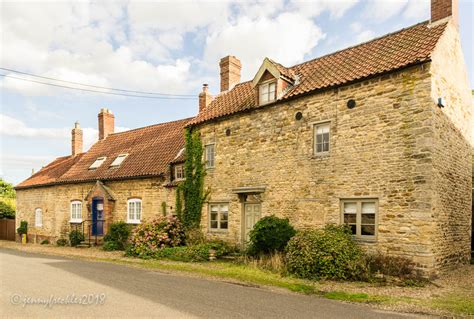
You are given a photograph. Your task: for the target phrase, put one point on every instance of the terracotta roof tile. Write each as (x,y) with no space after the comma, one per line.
(150,150)
(390,52)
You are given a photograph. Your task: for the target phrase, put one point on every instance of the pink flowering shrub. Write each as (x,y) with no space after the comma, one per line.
(162,232)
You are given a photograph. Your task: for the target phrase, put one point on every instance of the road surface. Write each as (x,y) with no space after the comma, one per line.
(30,281)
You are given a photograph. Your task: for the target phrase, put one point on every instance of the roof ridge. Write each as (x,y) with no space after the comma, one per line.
(360,44)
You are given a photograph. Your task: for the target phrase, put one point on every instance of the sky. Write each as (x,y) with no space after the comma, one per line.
(170,47)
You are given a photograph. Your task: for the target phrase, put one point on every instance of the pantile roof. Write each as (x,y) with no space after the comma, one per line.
(393,51)
(150,150)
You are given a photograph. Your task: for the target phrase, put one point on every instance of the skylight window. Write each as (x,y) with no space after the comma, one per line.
(99,161)
(118,160)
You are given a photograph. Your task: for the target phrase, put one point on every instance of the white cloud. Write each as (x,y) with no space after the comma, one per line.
(287,39)
(365,35)
(16,128)
(417,10)
(313,8)
(384,10)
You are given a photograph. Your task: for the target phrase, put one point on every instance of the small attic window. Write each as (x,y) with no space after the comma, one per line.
(267,92)
(118,160)
(99,161)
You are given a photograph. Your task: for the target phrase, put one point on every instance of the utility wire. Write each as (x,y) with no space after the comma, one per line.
(102,92)
(94,86)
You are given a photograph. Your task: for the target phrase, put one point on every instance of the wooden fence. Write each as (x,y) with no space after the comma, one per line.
(7,229)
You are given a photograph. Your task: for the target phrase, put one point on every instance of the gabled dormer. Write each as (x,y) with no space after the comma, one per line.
(272,81)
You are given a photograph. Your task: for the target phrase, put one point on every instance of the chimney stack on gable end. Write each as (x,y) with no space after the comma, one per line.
(205,98)
(76,139)
(230,72)
(106,123)
(443,9)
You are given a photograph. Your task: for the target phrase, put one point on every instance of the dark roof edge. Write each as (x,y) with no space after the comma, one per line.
(301,95)
(79,181)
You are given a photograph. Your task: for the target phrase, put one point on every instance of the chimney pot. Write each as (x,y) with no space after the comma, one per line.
(76,139)
(442,9)
(205,98)
(106,123)
(230,72)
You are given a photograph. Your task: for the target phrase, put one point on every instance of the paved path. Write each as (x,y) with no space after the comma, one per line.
(133,292)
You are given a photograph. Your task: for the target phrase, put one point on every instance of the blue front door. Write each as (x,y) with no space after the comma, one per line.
(97,216)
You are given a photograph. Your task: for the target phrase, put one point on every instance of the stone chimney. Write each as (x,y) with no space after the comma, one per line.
(204,98)
(76,140)
(442,9)
(106,123)
(230,72)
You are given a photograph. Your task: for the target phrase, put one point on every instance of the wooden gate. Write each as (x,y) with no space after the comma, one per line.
(7,229)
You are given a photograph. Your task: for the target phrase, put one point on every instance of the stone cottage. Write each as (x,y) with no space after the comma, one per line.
(124,176)
(376,136)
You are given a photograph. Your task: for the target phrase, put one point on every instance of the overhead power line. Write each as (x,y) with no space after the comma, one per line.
(102,92)
(94,86)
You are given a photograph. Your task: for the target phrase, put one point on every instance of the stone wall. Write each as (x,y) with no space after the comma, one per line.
(381,149)
(453,127)
(55,202)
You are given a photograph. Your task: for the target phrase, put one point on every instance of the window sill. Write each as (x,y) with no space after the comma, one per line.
(218,231)
(134,222)
(75,221)
(365,240)
(320,156)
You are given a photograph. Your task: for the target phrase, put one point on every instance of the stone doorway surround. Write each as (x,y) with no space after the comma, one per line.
(99,190)
(251,203)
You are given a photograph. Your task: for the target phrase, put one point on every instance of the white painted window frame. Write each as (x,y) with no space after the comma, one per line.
(176,169)
(315,137)
(73,212)
(220,211)
(266,85)
(132,202)
(98,162)
(210,163)
(359,202)
(119,160)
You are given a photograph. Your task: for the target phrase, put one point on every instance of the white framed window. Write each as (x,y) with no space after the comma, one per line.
(267,92)
(76,212)
(321,138)
(209,153)
(118,160)
(38,217)
(99,161)
(134,211)
(179,172)
(218,216)
(361,217)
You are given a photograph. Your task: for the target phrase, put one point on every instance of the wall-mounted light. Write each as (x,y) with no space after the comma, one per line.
(441,102)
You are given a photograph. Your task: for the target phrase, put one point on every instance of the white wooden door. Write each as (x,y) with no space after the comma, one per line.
(252,213)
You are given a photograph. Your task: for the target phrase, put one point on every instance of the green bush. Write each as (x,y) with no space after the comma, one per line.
(395,266)
(61,242)
(117,237)
(75,237)
(45,242)
(194,253)
(270,234)
(162,232)
(327,253)
(23,229)
(6,210)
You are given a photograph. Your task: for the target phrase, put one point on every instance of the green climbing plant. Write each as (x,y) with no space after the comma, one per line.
(192,188)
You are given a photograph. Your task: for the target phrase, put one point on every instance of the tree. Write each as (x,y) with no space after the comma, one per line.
(6,189)
(192,188)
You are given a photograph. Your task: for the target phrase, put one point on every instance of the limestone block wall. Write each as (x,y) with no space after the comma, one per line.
(380,149)
(452,168)
(55,203)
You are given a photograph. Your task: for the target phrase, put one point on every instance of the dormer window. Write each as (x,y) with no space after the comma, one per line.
(267,92)
(179,172)
(118,161)
(99,161)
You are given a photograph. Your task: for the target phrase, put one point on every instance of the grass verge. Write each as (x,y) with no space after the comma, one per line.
(457,304)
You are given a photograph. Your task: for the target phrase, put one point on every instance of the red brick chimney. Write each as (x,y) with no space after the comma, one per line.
(441,9)
(230,72)
(106,123)
(76,140)
(204,98)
